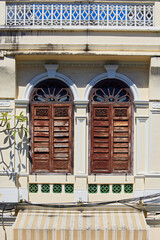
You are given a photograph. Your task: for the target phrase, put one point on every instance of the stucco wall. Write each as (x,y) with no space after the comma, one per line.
(81,73)
(81,56)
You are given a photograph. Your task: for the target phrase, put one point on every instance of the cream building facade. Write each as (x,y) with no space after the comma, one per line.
(115,40)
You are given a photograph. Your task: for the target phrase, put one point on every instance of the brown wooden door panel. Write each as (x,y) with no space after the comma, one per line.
(111,137)
(121,141)
(62,115)
(100,138)
(61,165)
(100,166)
(51,137)
(41,127)
(41,166)
(120,166)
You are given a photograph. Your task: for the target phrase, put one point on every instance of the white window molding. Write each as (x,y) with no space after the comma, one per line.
(142,120)
(150,141)
(5,103)
(81,145)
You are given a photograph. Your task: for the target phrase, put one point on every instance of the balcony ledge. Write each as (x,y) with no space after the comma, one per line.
(80,28)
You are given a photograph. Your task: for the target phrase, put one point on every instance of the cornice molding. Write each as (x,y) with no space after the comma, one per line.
(21,103)
(141,104)
(83,64)
(81,104)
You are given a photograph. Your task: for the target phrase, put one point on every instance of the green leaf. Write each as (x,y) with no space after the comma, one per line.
(14,133)
(6,139)
(8,126)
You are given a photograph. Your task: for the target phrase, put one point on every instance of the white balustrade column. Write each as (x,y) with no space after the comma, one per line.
(157,14)
(2,13)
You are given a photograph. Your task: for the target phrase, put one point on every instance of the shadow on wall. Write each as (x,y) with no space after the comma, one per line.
(13,139)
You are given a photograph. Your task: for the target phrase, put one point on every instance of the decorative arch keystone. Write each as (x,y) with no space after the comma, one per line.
(51,69)
(111,70)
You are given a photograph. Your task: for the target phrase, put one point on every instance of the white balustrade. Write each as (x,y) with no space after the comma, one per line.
(80,14)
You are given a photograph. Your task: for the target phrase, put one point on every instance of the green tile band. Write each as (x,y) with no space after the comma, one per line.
(33,188)
(45,188)
(57,188)
(104,188)
(128,188)
(92,188)
(69,188)
(116,188)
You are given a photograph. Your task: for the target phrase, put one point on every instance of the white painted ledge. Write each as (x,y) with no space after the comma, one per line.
(80,28)
(21,103)
(81,104)
(141,104)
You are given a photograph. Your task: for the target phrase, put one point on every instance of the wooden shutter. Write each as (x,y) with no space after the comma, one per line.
(51,137)
(62,138)
(110,138)
(121,140)
(101,139)
(41,138)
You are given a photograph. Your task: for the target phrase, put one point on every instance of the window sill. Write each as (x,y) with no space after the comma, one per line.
(110,179)
(50,178)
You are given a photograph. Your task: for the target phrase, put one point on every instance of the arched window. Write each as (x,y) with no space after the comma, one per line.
(51,127)
(111,127)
